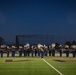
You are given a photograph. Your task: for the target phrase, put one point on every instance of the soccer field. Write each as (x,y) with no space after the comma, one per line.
(38,66)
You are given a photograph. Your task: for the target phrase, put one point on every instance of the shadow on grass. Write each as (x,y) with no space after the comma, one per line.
(16,60)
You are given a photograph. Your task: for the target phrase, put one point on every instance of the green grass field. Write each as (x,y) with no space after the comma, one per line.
(36,66)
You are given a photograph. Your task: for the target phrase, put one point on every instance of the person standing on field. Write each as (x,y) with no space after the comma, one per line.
(67,50)
(50,50)
(2,49)
(60,50)
(8,51)
(46,50)
(20,51)
(53,49)
(73,47)
(42,51)
(25,50)
(13,50)
(32,50)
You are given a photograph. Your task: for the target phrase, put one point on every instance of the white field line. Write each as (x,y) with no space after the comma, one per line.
(52,67)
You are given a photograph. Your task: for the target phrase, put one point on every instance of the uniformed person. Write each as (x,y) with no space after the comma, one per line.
(8,51)
(73,50)
(53,49)
(20,51)
(28,49)
(46,50)
(13,50)
(67,50)
(42,51)
(32,50)
(1,51)
(3,47)
(36,50)
(50,49)
(39,51)
(25,51)
(60,50)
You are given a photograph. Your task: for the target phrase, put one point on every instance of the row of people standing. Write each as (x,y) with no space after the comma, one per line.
(35,51)
(27,51)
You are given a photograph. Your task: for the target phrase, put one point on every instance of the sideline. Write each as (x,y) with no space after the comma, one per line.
(52,67)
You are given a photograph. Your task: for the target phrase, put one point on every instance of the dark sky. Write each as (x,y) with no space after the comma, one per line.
(46,17)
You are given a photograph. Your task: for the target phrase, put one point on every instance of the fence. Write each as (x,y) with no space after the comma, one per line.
(43,39)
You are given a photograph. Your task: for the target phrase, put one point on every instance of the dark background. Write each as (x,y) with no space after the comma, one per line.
(38,17)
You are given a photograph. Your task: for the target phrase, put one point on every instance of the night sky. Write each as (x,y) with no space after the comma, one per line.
(40,17)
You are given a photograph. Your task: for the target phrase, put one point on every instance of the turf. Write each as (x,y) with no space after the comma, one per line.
(66,68)
(36,66)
